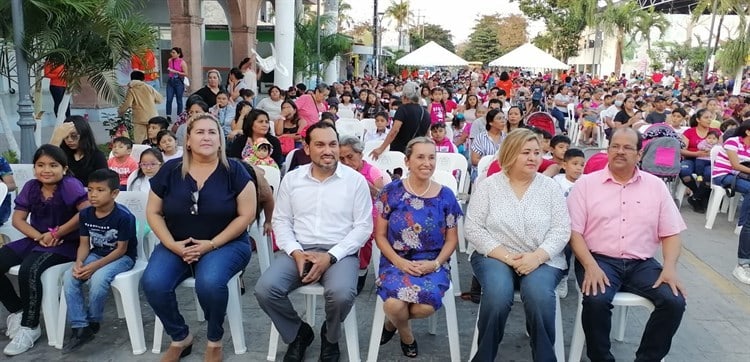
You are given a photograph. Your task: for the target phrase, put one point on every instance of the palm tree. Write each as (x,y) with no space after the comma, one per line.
(400,13)
(645,21)
(89,37)
(723,7)
(306,61)
(618,20)
(733,56)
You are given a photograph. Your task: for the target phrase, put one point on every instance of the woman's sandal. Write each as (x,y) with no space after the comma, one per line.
(410,350)
(386,335)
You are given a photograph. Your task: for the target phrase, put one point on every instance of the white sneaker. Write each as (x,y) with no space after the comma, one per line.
(23,341)
(13,323)
(562,287)
(742,273)
(738,229)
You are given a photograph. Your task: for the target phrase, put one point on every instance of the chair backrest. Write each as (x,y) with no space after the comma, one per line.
(288,160)
(446,178)
(715,153)
(371,145)
(345,113)
(389,161)
(22,173)
(452,162)
(350,128)
(136,202)
(273,176)
(484,164)
(369,125)
(3,191)
(571,111)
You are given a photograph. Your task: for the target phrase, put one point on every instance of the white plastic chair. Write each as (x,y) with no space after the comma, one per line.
(559,341)
(454,161)
(125,285)
(482,167)
(371,145)
(449,305)
(288,160)
(310,291)
(369,125)
(345,113)
(262,243)
(22,173)
(3,191)
(273,176)
(350,128)
(622,301)
(718,194)
(234,312)
(389,161)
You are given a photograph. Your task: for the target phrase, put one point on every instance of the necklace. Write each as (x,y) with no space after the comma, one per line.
(414,191)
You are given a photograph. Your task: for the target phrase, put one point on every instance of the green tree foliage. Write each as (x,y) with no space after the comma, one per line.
(400,13)
(564,19)
(619,20)
(432,32)
(645,21)
(306,61)
(90,37)
(390,62)
(493,36)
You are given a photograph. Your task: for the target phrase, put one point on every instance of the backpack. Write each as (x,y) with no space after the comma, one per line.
(661,151)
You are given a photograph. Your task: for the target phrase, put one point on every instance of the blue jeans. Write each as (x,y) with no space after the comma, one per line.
(499,281)
(697,166)
(560,117)
(166,270)
(637,277)
(175,89)
(742,186)
(99,284)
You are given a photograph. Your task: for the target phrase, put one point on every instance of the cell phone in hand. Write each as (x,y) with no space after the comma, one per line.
(306,268)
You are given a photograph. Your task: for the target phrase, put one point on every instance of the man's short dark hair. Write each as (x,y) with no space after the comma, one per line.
(319,125)
(159,120)
(639,137)
(137,75)
(494,101)
(106,175)
(124,140)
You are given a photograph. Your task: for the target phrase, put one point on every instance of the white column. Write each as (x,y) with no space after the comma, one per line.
(284,41)
(332,68)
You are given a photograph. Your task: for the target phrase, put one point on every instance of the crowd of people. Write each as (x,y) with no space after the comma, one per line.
(201,170)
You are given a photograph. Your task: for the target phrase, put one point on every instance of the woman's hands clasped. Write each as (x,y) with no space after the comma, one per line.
(191,250)
(416,268)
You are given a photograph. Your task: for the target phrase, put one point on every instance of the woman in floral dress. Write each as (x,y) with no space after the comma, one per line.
(416,233)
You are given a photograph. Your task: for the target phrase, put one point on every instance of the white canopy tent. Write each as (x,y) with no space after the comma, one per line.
(432,55)
(528,56)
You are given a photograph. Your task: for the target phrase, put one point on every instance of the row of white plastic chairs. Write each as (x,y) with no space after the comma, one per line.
(125,288)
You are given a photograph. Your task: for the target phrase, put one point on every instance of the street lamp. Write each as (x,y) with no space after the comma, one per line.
(25,108)
(317,62)
(380,43)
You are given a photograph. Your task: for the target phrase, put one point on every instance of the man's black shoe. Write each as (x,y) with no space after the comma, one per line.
(80,336)
(361,282)
(329,352)
(94,326)
(296,350)
(697,204)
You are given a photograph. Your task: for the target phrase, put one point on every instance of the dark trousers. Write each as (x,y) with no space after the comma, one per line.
(57,94)
(561,119)
(637,277)
(29,282)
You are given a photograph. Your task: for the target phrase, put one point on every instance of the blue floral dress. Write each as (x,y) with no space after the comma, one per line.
(416,231)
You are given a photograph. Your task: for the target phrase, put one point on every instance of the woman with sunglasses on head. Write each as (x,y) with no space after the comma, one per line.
(76,138)
(199,208)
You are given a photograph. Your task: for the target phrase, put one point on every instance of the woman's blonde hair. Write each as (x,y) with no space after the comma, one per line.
(415,141)
(187,154)
(512,146)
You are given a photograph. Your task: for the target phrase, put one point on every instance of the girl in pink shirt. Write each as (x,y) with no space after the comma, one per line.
(437,107)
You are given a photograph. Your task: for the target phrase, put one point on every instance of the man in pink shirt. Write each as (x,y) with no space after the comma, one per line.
(619,218)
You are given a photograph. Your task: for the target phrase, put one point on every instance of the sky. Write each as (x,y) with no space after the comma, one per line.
(456,16)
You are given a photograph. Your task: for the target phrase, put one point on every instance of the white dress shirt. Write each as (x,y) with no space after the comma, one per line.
(334,214)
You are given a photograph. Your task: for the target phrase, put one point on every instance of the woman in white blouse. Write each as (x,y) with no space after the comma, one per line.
(518,224)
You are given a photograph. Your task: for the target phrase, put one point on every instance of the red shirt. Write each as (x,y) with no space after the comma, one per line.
(149,69)
(55,75)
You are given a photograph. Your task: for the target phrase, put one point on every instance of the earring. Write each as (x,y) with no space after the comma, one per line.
(187,147)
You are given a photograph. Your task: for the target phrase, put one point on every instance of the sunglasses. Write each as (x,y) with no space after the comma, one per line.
(194,208)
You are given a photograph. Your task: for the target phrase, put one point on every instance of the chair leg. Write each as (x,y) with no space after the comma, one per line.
(732,212)
(576,342)
(51,279)
(130,302)
(61,319)
(234,314)
(449,304)
(461,238)
(455,277)
(118,303)
(714,203)
(559,341)
(378,319)
(352,336)
(619,318)
(158,332)
(475,339)
(432,322)
(273,344)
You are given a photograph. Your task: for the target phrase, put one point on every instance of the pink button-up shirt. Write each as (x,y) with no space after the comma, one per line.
(624,221)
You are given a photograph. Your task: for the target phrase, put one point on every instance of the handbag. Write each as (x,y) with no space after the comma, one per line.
(186,82)
(287,145)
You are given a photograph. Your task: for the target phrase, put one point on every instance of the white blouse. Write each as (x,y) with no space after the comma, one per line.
(496,217)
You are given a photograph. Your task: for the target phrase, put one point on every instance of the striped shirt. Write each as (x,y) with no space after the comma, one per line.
(484,145)
(722,166)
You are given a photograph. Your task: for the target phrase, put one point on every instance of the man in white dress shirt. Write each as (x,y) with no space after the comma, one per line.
(323,216)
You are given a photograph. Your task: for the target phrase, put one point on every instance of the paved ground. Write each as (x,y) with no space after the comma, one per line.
(715,326)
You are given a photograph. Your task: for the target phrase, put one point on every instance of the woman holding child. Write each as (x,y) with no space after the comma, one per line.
(518,244)
(199,208)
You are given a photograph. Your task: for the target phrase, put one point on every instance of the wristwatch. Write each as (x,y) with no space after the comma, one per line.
(333,258)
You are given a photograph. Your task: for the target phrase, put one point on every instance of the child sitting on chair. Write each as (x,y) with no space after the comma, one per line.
(262,154)
(107,248)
